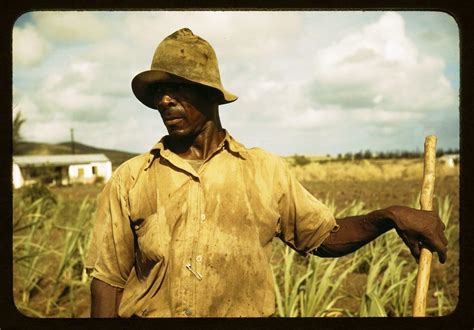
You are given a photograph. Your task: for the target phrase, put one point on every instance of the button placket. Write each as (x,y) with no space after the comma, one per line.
(195,198)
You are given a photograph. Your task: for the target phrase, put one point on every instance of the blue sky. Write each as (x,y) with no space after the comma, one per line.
(308,82)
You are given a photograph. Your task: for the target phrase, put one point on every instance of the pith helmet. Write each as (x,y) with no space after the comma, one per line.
(181,56)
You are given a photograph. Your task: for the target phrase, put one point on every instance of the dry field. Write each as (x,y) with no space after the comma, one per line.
(50,240)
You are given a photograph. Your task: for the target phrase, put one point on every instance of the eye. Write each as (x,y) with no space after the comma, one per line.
(158,92)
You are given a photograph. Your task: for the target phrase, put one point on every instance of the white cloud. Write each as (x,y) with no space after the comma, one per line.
(70,26)
(434,33)
(234,35)
(29,47)
(51,131)
(74,93)
(383,116)
(314,76)
(334,116)
(27,107)
(380,63)
(310,118)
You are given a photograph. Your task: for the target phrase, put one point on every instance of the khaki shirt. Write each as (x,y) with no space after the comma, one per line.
(187,243)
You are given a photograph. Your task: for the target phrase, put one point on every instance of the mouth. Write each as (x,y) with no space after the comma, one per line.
(172,121)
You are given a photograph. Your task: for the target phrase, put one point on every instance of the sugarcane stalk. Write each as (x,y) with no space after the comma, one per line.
(426,203)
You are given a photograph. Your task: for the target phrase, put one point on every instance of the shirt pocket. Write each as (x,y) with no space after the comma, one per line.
(151,242)
(140,226)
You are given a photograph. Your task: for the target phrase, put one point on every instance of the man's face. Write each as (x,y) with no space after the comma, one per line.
(184,108)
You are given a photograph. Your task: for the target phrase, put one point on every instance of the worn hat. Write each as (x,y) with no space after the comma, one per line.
(181,57)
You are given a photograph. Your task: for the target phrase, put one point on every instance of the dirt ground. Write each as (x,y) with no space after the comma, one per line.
(379,194)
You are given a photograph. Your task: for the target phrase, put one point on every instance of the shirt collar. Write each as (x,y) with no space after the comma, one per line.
(232,145)
(229,143)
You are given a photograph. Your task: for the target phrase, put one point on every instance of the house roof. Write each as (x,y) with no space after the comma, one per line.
(446,156)
(58,160)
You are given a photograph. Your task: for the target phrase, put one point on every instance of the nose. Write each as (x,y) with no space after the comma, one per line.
(165,101)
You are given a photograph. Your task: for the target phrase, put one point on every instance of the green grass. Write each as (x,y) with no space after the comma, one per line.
(49,244)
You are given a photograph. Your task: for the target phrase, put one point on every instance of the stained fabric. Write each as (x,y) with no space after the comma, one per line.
(187,243)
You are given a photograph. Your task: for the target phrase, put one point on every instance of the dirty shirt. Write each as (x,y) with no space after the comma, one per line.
(187,243)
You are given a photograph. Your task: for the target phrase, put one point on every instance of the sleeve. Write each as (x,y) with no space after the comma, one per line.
(111,252)
(305,222)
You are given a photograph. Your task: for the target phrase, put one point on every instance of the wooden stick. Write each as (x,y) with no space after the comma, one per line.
(426,203)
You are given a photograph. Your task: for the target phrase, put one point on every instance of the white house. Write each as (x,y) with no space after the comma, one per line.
(60,169)
(450,160)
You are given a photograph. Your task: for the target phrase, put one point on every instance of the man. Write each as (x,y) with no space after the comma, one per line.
(186,229)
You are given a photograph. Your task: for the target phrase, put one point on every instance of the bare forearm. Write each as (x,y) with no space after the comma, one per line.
(354,232)
(105,299)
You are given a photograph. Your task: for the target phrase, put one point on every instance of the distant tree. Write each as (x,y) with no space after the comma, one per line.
(367,154)
(358,155)
(18,121)
(300,160)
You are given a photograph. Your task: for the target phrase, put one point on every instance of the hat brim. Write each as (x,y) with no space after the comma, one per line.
(142,83)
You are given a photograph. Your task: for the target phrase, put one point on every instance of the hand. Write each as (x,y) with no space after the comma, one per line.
(418,229)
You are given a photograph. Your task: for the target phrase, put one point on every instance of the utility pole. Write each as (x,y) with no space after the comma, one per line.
(72,142)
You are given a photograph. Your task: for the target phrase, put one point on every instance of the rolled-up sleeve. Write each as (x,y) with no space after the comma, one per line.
(111,252)
(305,222)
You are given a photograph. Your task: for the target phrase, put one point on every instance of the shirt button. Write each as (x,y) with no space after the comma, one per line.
(188,312)
(203,217)
(137,227)
(199,258)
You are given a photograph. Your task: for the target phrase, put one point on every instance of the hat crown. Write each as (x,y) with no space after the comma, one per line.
(182,33)
(188,56)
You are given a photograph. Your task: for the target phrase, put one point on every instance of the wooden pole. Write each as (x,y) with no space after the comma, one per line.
(426,203)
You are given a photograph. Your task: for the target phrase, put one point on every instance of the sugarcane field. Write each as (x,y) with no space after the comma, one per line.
(52,230)
(197,163)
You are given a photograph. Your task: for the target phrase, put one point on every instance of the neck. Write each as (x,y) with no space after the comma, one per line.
(199,146)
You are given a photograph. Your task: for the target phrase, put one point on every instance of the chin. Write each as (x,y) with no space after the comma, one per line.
(178,134)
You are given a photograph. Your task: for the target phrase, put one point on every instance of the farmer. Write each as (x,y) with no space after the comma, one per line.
(186,229)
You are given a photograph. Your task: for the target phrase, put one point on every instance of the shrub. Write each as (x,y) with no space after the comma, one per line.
(300,160)
(31,194)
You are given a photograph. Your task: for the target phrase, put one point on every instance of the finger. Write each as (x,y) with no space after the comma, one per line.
(416,250)
(442,257)
(442,254)
(443,225)
(443,238)
(440,248)
(412,244)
